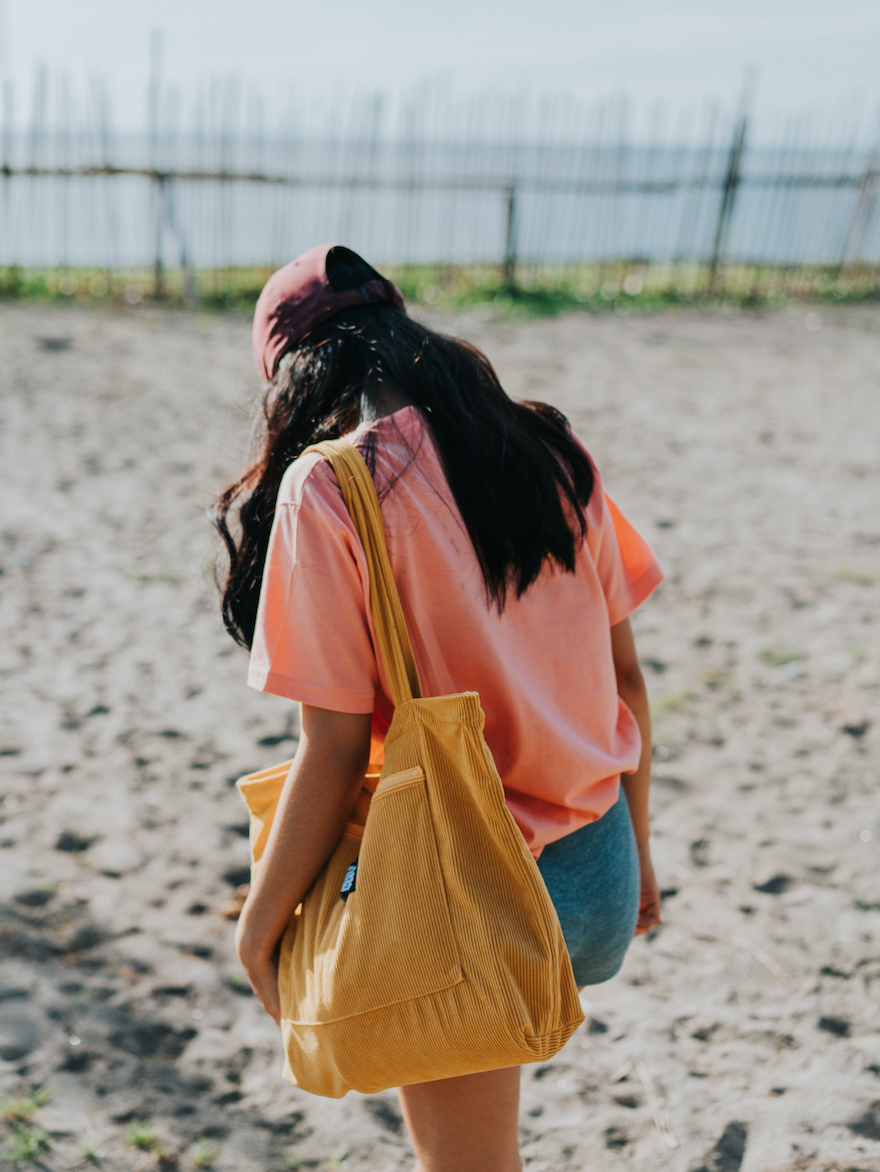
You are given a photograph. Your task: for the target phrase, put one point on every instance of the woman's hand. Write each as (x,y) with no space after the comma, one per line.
(636,785)
(261,967)
(649,896)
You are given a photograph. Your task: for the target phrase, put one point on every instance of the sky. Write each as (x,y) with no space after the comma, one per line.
(808,55)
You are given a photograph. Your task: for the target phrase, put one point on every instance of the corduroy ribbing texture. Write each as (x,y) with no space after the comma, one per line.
(448,957)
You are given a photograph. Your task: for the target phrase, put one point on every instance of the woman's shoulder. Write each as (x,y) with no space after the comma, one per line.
(309,482)
(583,447)
(595,506)
(401,426)
(310,476)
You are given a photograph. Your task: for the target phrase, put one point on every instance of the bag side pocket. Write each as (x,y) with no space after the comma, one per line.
(392,940)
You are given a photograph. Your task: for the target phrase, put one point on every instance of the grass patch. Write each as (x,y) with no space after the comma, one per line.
(21,1108)
(205,1154)
(332,1162)
(90,1153)
(861,577)
(538,290)
(779,657)
(28,1143)
(669,701)
(628,286)
(141,1134)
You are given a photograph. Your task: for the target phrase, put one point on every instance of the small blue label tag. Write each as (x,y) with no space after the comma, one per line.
(350,880)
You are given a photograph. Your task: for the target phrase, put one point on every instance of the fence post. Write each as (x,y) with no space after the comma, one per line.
(159,278)
(863,213)
(731,183)
(510,245)
(189,290)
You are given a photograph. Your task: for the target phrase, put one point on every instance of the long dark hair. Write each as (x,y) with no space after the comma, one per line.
(521,482)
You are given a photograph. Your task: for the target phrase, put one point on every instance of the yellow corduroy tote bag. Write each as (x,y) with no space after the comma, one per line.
(428,947)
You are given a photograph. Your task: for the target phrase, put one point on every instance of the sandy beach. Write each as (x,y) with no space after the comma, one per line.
(744,1034)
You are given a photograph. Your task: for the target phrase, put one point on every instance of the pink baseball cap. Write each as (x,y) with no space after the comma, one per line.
(315,286)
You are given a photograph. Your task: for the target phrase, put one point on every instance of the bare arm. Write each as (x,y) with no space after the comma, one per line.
(319,793)
(636,785)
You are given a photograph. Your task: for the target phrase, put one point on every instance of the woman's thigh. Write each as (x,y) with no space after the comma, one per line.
(465,1124)
(593,879)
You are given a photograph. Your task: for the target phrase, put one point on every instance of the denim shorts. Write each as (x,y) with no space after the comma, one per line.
(593,879)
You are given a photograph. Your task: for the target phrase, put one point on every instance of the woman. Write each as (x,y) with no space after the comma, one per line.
(517,576)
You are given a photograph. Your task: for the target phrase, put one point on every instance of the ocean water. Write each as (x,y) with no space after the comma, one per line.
(425,202)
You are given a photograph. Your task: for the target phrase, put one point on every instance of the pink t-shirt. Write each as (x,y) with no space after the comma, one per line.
(558,732)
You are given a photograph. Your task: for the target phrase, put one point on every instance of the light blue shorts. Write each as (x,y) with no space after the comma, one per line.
(593,879)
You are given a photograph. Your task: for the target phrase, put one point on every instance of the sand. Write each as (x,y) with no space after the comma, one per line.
(743,1034)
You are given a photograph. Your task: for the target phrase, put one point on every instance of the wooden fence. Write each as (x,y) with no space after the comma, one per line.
(488,181)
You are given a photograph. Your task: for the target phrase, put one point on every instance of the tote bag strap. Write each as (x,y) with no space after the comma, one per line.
(359,494)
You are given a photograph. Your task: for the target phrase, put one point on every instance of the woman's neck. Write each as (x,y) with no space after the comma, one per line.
(381,400)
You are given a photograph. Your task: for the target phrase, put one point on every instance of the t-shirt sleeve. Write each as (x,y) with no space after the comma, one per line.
(313,640)
(625,563)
